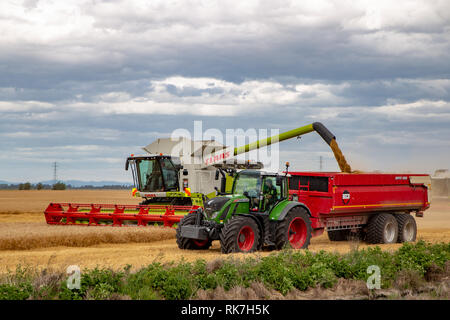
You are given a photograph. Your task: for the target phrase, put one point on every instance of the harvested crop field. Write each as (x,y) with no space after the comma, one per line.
(26,239)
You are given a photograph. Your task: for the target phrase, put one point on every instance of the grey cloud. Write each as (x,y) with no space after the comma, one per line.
(361,56)
(266,41)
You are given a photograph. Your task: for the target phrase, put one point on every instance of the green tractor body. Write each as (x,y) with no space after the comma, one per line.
(257,213)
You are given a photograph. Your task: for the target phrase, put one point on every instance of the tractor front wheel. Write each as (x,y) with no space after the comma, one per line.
(187,243)
(295,230)
(240,234)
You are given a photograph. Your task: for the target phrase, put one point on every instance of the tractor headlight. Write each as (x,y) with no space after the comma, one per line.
(214,215)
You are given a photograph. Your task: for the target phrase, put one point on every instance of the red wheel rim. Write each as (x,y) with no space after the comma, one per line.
(246,238)
(200,243)
(297,233)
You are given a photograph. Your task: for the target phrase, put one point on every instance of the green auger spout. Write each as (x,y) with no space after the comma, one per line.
(316,126)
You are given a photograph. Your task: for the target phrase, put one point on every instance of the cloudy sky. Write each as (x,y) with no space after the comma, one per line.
(86,83)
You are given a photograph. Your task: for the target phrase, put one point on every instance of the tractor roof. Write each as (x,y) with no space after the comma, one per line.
(258,173)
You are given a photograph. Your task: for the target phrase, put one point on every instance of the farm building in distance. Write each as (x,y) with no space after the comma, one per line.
(440,183)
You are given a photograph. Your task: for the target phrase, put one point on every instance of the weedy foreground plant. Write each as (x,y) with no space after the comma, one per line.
(280,273)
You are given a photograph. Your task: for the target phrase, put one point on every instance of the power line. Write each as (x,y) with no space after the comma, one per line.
(55,176)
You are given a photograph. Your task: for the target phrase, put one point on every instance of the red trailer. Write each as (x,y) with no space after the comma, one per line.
(372,206)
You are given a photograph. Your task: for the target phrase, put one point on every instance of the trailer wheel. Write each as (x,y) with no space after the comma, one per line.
(407,228)
(187,243)
(239,234)
(295,230)
(338,235)
(382,228)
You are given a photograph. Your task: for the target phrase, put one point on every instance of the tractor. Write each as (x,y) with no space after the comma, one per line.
(257,214)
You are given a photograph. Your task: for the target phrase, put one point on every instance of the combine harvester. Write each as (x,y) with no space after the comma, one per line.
(176,178)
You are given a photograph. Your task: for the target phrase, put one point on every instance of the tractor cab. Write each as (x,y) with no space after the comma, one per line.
(264,190)
(156,173)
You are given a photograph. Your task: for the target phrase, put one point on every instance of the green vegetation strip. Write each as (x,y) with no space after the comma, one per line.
(281,271)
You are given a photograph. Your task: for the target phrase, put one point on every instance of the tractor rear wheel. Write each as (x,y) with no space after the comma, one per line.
(382,228)
(338,235)
(295,230)
(240,234)
(187,243)
(407,228)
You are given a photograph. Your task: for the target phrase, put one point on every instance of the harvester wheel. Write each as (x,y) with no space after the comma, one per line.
(239,234)
(407,228)
(187,243)
(382,228)
(338,235)
(295,230)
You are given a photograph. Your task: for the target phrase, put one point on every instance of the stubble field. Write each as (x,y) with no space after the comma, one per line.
(27,240)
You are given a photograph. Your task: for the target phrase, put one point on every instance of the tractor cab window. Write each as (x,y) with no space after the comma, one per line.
(150,175)
(170,174)
(250,184)
(271,193)
(247,183)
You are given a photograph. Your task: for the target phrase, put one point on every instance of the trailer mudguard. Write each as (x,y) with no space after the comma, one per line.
(281,210)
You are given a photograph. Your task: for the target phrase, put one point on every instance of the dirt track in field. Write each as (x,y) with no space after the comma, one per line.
(22,226)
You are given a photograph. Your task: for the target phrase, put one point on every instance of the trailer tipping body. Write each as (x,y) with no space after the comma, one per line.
(343,201)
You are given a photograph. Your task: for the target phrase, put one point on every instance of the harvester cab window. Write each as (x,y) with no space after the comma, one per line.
(170,174)
(150,175)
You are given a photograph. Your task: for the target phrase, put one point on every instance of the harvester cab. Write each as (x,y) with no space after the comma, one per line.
(157,177)
(258,213)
